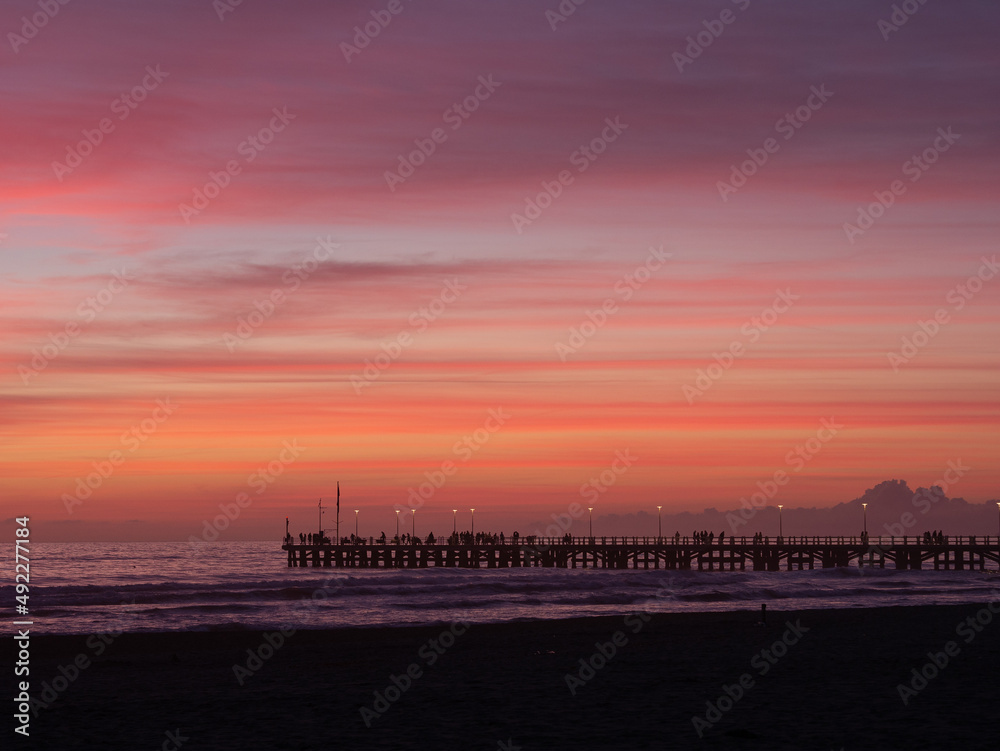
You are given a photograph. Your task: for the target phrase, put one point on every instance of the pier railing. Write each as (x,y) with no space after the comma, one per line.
(882,540)
(760,553)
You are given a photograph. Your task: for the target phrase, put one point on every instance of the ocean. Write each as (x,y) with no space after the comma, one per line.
(94,588)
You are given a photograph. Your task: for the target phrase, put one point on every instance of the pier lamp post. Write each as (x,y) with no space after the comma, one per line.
(356,521)
(591,510)
(397,525)
(780,506)
(473,512)
(454,521)
(659,523)
(864,516)
(413,518)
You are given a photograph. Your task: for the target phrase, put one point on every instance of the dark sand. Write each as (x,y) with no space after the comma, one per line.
(835,688)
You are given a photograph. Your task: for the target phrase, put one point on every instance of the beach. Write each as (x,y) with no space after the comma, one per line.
(816,679)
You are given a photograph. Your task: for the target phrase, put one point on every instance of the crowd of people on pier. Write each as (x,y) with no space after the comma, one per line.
(481,538)
(308,538)
(492,538)
(456,538)
(703,537)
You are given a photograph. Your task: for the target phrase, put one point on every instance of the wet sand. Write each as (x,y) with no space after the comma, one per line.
(833,686)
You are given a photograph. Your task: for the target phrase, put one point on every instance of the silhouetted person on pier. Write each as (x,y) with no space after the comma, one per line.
(721,535)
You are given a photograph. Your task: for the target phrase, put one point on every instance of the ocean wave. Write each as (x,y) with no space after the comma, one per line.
(152,587)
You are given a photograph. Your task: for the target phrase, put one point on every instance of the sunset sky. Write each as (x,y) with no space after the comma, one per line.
(563,272)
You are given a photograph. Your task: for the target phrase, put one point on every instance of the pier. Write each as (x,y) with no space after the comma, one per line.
(963,552)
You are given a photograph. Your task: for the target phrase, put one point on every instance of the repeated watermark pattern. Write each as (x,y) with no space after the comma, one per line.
(31,25)
(762,662)
(752,330)
(968,629)
(787,126)
(429,653)
(624,288)
(419,321)
(701,40)
(88,311)
(901,14)
(260,480)
(915,167)
(592,489)
(249,149)
(562,12)
(68,673)
(122,106)
(464,448)
(222,7)
(796,459)
(131,440)
(266,307)
(926,498)
(365,33)
(958,296)
(455,116)
(582,159)
(273,641)
(604,653)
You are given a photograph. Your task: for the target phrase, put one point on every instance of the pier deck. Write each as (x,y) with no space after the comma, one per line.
(733,554)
